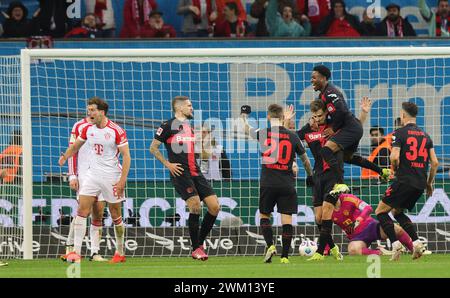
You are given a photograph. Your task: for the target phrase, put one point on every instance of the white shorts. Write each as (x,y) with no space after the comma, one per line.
(81,179)
(100,187)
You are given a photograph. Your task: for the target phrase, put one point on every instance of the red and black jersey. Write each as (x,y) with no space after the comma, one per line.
(315,141)
(338,111)
(415,145)
(278,148)
(179,140)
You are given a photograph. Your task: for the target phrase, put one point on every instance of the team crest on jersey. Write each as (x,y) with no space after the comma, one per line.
(107,136)
(346,213)
(331,108)
(189,190)
(159,131)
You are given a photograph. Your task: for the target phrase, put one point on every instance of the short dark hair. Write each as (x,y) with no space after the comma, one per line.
(317,105)
(177,99)
(439,1)
(377,128)
(233,6)
(323,70)
(100,103)
(275,111)
(410,108)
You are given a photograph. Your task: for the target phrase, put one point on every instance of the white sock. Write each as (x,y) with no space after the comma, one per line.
(95,234)
(79,232)
(69,241)
(119,231)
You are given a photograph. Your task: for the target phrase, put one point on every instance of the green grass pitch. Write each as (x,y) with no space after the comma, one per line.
(435,265)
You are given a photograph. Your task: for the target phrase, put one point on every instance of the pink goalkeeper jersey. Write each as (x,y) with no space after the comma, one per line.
(104,144)
(79,163)
(351,208)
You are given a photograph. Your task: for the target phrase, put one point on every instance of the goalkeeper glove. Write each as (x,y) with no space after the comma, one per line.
(309,181)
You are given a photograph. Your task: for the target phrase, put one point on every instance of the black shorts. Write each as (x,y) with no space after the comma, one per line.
(323,184)
(348,137)
(284,198)
(401,196)
(189,186)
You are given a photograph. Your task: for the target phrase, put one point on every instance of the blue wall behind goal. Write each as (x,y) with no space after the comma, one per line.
(140,94)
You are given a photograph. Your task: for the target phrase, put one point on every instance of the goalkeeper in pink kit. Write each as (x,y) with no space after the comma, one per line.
(352,215)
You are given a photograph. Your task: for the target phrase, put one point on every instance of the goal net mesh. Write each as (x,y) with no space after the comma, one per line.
(139,93)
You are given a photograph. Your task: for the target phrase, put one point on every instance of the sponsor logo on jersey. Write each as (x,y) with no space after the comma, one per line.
(313,136)
(107,136)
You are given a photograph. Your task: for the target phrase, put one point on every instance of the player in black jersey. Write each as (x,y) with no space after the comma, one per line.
(179,140)
(412,151)
(323,180)
(342,141)
(279,147)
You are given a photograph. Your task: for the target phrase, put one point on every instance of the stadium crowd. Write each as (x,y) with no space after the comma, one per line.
(215,18)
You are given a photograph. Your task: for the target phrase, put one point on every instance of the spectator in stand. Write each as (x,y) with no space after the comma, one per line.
(339,23)
(258,11)
(104,11)
(393,25)
(17,24)
(315,10)
(157,28)
(199,16)
(53,18)
(368,26)
(88,28)
(220,5)
(439,22)
(136,15)
(285,25)
(232,25)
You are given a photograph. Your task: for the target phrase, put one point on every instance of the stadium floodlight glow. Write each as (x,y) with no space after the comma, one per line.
(139,84)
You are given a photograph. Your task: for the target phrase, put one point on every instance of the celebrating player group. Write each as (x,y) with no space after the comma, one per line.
(332,134)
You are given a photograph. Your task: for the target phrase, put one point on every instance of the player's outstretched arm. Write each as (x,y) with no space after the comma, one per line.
(288,115)
(366,105)
(71,151)
(175,168)
(245,111)
(126,163)
(434,164)
(2,173)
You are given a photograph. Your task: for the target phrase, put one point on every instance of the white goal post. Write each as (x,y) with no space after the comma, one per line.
(140,83)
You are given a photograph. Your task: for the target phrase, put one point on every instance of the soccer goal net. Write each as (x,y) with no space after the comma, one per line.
(139,86)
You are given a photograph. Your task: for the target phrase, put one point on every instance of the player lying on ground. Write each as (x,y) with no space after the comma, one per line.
(352,215)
